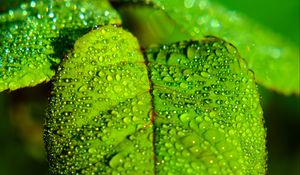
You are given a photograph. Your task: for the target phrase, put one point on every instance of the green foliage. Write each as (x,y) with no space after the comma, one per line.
(187,108)
(37,35)
(273,58)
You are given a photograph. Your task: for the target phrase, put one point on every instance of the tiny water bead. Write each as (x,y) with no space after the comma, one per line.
(207,107)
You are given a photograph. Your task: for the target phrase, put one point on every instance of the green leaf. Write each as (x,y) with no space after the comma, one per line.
(187,108)
(98,118)
(205,102)
(37,35)
(274,59)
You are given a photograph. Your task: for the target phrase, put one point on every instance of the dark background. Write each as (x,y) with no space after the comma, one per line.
(22,111)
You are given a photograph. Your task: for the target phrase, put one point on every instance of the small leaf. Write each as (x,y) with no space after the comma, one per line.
(187,108)
(274,59)
(37,35)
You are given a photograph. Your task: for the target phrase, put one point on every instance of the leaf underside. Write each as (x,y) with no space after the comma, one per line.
(37,35)
(187,108)
(273,58)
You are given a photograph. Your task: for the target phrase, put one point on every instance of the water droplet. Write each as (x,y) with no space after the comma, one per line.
(189,3)
(32,4)
(204,74)
(109,78)
(92,150)
(190,140)
(116,161)
(213,135)
(168,79)
(183,85)
(51,14)
(118,77)
(82,88)
(212,114)
(186,117)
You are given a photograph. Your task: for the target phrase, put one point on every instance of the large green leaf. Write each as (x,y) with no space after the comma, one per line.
(98,118)
(274,59)
(207,110)
(37,35)
(187,108)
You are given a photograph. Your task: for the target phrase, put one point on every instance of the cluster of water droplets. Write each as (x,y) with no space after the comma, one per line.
(36,36)
(208,117)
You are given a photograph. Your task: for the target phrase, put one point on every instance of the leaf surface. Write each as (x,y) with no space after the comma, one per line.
(37,35)
(186,108)
(274,59)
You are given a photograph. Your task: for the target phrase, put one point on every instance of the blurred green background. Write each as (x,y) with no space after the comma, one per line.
(22,111)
